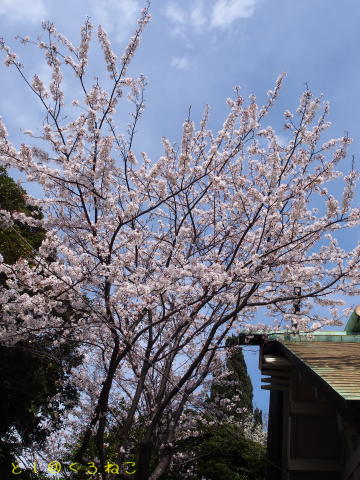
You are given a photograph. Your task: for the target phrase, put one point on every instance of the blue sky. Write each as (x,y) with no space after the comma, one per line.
(194,52)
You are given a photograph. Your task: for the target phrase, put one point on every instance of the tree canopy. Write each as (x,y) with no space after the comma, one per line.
(34,372)
(14,245)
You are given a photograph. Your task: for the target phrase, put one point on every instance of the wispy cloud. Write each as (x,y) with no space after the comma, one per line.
(181,18)
(222,14)
(181,63)
(225,12)
(118,17)
(197,15)
(33,11)
(175,13)
(282,139)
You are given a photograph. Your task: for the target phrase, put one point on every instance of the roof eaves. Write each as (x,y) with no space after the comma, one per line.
(350,409)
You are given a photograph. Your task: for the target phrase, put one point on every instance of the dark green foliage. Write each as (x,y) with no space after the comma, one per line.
(222,451)
(32,376)
(237,382)
(34,373)
(258,416)
(228,455)
(7,458)
(15,245)
(78,471)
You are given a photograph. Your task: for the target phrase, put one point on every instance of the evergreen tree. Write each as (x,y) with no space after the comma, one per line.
(234,384)
(18,241)
(227,442)
(34,373)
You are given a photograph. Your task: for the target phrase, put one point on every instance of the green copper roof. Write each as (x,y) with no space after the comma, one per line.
(321,336)
(333,356)
(337,363)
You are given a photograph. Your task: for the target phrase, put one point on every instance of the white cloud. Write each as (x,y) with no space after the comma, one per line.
(181,63)
(197,17)
(33,11)
(175,13)
(181,18)
(225,12)
(116,16)
(283,140)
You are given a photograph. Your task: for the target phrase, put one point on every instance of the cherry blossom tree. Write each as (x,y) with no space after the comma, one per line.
(162,259)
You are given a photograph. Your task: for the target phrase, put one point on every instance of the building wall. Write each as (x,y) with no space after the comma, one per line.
(311,440)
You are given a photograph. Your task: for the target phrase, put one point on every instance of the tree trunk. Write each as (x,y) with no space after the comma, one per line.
(143,464)
(161,467)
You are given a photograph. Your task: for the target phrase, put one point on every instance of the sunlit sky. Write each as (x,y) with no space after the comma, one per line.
(193,53)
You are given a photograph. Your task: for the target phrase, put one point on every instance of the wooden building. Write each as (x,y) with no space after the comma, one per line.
(314,414)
